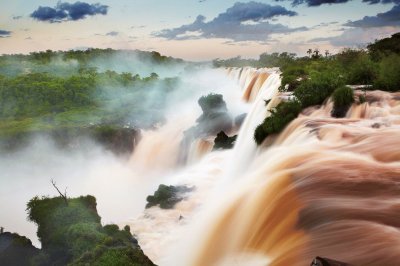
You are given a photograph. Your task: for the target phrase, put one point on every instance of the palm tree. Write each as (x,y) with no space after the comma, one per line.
(316,53)
(326,53)
(309,52)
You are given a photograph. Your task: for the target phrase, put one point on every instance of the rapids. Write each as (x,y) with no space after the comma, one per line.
(323,187)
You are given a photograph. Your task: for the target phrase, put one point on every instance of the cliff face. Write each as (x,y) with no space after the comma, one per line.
(16,249)
(71,233)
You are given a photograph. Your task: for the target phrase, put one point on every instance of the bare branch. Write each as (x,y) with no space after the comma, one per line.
(64,196)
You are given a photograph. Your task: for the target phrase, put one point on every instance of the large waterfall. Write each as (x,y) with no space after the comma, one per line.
(322,187)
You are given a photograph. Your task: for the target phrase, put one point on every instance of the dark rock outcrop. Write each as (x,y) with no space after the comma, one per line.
(223,141)
(318,261)
(167,196)
(16,250)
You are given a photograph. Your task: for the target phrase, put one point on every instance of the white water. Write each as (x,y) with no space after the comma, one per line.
(161,234)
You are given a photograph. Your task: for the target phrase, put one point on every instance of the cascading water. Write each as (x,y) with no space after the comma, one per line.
(315,190)
(157,230)
(326,187)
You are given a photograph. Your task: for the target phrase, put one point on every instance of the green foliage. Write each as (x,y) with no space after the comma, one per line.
(72,234)
(342,97)
(360,69)
(166,196)
(385,47)
(389,74)
(223,141)
(292,77)
(315,90)
(212,103)
(280,116)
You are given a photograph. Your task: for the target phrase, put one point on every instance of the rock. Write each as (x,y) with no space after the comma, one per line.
(318,261)
(16,249)
(222,141)
(167,196)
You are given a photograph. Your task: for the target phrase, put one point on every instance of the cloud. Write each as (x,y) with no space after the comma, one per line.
(16,17)
(389,18)
(112,33)
(67,12)
(5,33)
(372,2)
(318,2)
(330,2)
(358,36)
(241,22)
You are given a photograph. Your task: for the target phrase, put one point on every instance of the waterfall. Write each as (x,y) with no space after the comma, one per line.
(160,231)
(325,187)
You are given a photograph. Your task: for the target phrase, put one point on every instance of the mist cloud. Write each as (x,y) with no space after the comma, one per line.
(68,12)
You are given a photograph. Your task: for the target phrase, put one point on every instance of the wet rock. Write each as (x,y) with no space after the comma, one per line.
(318,261)
(223,141)
(167,196)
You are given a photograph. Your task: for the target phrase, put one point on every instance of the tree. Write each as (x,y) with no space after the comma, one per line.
(309,52)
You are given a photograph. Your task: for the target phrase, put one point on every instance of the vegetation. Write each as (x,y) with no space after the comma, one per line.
(51,92)
(314,78)
(71,233)
(343,97)
(280,116)
(223,141)
(167,196)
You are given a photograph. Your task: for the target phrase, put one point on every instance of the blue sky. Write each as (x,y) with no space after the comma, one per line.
(196,29)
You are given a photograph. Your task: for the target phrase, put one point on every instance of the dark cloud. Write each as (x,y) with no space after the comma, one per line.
(16,17)
(330,2)
(389,18)
(241,22)
(112,33)
(372,2)
(66,11)
(318,2)
(5,33)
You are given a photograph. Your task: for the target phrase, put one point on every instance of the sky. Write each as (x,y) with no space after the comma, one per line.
(196,29)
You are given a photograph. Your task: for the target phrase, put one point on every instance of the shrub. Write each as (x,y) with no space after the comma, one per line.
(282,115)
(212,103)
(343,97)
(389,74)
(292,76)
(362,70)
(315,90)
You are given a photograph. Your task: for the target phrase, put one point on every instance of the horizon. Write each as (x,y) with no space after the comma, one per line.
(231,28)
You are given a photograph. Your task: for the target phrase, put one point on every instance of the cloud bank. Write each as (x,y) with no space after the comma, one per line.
(241,22)
(389,18)
(68,12)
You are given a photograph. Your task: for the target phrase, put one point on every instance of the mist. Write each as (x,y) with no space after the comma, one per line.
(119,185)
